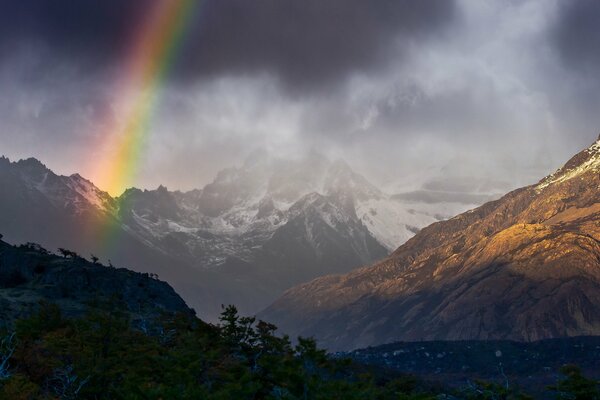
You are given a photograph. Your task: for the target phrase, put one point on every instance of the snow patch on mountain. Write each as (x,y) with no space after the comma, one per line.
(590,162)
(244,206)
(89,192)
(391,222)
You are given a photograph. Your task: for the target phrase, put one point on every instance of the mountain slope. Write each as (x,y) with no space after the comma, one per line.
(252,233)
(524,267)
(244,205)
(30,275)
(217,245)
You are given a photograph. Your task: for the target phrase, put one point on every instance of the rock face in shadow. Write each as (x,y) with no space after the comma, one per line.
(525,267)
(29,275)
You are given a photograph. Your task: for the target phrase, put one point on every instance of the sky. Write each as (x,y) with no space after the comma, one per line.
(407,92)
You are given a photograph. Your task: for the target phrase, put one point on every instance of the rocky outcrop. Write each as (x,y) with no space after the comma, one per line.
(29,275)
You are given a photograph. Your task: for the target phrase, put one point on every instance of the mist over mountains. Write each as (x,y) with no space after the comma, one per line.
(524,267)
(253,232)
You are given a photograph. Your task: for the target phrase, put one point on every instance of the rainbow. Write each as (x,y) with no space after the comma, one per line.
(122,133)
(156,45)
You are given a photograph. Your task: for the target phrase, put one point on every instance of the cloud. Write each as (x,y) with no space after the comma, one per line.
(310,44)
(577,36)
(89,33)
(404,90)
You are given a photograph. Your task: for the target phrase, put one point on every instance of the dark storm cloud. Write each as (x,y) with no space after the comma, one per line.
(577,36)
(89,32)
(311,42)
(304,43)
(402,89)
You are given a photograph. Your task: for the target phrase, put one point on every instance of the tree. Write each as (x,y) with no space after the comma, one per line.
(67,253)
(481,390)
(575,386)
(66,384)
(36,247)
(7,349)
(104,356)
(95,259)
(234,329)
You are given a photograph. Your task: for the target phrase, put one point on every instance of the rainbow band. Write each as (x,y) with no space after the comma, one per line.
(154,53)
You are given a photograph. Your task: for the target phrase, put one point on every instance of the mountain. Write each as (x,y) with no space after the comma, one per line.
(244,205)
(252,233)
(37,205)
(525,267)
(30,275)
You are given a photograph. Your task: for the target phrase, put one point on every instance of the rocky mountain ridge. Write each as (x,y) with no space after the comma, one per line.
(250,202)
(525,267)
(253,232)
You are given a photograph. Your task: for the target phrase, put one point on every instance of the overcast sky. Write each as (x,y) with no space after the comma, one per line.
(405,91)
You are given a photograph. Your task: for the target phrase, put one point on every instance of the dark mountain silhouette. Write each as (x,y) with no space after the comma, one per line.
(30,276)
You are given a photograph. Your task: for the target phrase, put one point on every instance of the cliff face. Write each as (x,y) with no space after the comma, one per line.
(524,267)
(29,275)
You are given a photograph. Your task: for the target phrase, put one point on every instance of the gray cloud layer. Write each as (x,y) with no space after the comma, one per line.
(577,35)
(405,90)
(307,44)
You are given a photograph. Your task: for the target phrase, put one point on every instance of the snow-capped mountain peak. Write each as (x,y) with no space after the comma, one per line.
(275,220)
(587,160)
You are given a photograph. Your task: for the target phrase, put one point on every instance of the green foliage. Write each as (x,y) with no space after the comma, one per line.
(575,386)
(100,356)
(19,387)
(49,318)
(480,390)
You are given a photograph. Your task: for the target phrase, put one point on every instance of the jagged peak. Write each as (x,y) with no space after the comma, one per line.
(31,162)
(132,191)
(311,198)
(342,178)
(308,200)
(79,178)
(226,175)
(586,160)
(83,182)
